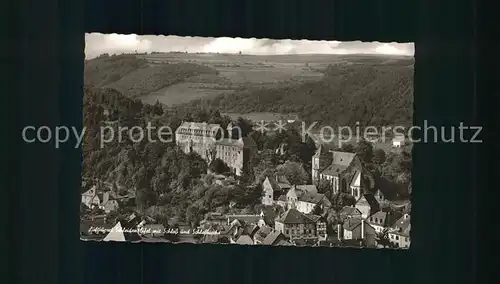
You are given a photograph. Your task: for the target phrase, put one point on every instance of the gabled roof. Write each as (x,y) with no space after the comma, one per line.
(310,197)
(351,223)
(349,210)
(369,200)
(273,238)
(334,170)
(262,233)
(250,230)
(278,182)
(293,216)
(307,188)
(343,158)
(244,240)
(340,162)
(283,243)
(384,219)
(314,218)
(244,219)
(119,234)
(379,218)
(402,226)
(91,192)
(282,198)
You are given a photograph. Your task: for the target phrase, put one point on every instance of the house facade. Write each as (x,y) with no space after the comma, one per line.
(273,187)
(358,229)
(399,233)
(382,221)
(294,224)
(308,201)
(90,198)
(367,205)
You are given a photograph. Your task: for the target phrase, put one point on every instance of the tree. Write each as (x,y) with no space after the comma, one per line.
(157,108)
(243,125)
(218,166)
(294,172)
(379,156)
(364,150)
(347,147)
(324,186)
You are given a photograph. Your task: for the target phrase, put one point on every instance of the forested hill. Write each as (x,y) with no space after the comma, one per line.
(135,77)
(371,94)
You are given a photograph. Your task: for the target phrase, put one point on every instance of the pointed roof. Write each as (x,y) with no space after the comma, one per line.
(91,192)
(369,199)
(340,162)
(311,197)
(116,234)
(352,223)
(273,238)
(293,216)
(244,240)
(349,210)
(402,226)
(354,177)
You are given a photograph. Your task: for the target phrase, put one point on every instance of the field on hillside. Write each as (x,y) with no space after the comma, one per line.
(330,89)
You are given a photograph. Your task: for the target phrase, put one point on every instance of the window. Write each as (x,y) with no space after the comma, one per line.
(397,238)
(287,232)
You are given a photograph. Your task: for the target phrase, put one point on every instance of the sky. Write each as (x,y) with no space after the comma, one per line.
(96,44)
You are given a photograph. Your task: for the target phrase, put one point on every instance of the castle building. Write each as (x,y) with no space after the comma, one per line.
(208,141)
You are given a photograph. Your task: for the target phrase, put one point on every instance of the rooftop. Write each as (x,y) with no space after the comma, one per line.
(293,216)
(273,238)
(311,197)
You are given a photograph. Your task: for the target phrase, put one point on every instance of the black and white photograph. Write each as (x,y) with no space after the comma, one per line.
(245,141)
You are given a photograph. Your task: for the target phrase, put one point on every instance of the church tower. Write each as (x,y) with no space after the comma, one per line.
(315,169)
(320,160)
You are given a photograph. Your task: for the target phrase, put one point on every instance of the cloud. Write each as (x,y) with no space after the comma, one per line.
(97,44)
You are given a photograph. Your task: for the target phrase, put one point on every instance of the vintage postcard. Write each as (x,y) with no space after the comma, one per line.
(247,141)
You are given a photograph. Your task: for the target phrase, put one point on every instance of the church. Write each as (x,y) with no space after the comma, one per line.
(209,141)
(343,170)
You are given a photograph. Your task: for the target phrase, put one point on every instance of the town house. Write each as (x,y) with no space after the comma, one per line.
(358,229)
(294,224)
(399,233)
(367,205)
(273,187)
(381,221)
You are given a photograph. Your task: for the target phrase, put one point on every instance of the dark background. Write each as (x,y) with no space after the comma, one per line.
(44,51)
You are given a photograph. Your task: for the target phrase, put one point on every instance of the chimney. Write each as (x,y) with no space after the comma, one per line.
(362,228)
